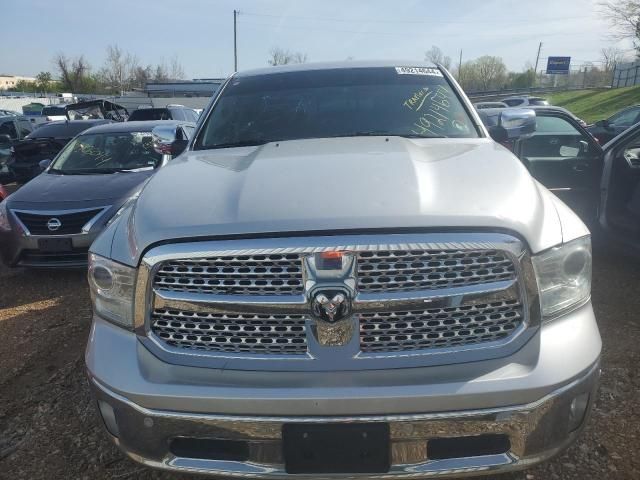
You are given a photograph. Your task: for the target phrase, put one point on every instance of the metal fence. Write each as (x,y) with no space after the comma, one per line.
(626,75)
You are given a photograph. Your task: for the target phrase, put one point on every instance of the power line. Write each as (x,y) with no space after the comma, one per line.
(360,20)
(399,34)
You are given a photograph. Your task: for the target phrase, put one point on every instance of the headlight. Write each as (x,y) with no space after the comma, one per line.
(112,288)
(4,217)
(564,276)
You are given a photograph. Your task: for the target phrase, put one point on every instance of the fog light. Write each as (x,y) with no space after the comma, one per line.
(577,411)
(109,418)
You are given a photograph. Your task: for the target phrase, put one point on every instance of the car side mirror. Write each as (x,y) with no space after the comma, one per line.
(583,147)
(44,164)
(168,140)
(513,123)
(498,133)
(5,139)
(603,123)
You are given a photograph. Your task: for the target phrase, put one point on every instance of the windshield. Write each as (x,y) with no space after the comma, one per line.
(107,153)
(403,101)
(150,114)
(58,111)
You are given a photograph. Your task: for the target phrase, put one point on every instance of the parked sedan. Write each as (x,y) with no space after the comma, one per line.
(609,128)
(42,144)
(52,220)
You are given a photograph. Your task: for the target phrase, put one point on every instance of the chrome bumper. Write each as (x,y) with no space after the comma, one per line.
(536,431)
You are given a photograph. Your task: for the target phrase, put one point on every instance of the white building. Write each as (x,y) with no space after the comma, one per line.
(10,81)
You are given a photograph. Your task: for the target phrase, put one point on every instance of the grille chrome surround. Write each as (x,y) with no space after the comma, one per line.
(514,288)
(407,270)
(270,274)
(439,327)
(259,334)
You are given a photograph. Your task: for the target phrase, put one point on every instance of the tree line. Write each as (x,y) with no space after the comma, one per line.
(121,72)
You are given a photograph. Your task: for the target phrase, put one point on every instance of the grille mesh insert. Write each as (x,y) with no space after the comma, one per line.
(406,270)
(439,328)
(233,275)
(257,334)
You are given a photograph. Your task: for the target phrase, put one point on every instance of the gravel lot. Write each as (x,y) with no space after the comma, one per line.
(48,428)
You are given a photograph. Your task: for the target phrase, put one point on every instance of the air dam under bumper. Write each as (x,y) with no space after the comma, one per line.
(538,400)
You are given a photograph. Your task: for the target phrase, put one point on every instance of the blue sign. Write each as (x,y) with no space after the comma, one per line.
(558,65)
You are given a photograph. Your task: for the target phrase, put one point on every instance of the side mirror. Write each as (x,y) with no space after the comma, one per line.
(498,133)
(5,139)
(518,122)
(168,140)
(583,147)
(44,164)
(603,123)
(513,123)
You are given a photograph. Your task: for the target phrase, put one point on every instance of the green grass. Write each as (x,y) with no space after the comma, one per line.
(592,105)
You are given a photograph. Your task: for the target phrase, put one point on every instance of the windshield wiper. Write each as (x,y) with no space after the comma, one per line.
(241,143)
(92,171)
(383,133)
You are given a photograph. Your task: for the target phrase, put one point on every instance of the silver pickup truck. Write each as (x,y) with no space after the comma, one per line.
(344,275)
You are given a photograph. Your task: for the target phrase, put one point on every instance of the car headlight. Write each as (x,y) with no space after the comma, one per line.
(112,288)
(564,277)
(4,217)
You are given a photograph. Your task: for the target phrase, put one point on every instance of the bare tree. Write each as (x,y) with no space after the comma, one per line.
(73,72)
(435,55)
(610,57)
(624,18)
(468,75)
(279,56)
(176,72)
(491,72)
(118,70)
(160,73)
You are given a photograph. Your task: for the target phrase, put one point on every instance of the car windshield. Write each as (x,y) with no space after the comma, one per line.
(58,111)
(538,102)
(107,153)
(402,101)
(150,114)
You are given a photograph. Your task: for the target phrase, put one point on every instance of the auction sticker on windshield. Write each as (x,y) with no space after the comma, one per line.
(431,71)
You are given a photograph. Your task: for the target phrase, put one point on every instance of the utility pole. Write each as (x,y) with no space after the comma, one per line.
(535,70)
(460,64)
(235,41)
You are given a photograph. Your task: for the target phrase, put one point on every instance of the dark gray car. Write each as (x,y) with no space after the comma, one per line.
(52,220)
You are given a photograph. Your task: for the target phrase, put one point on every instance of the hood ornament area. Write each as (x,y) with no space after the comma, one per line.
(331,306)
(330,289)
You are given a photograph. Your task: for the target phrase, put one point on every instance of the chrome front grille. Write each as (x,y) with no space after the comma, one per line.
(255,334)
(440,327)
(406,270)
(238,303)
(233,275)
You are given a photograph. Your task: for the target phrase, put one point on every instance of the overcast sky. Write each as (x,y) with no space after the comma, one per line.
(200,32)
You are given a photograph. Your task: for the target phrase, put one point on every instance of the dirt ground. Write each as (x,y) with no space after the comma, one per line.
(48,428)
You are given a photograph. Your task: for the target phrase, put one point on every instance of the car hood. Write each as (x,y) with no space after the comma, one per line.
(329,185)
(62,191)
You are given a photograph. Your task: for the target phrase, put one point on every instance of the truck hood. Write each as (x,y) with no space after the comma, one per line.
(327,185)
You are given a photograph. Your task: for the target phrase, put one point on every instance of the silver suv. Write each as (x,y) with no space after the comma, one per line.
(343,274)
